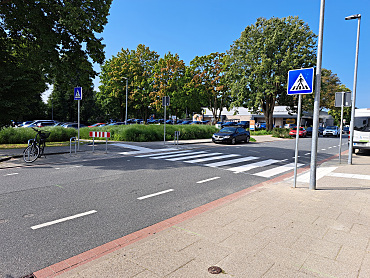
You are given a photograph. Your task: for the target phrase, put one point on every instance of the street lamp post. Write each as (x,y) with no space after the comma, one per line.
(126,99)
(356,16)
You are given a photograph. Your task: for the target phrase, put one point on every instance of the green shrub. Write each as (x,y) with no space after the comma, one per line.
(280,132)
(133,133)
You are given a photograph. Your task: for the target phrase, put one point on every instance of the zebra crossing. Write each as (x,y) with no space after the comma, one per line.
(231,162)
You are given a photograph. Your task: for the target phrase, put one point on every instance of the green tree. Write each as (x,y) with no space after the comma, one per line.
(171,79)
(209,78)
(261,58)
(136,65)
(61,35)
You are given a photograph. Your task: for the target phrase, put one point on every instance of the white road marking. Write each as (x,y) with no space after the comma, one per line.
(158,154)
(307,153)
(155,194)
(11,174)
(248,167)
(62,219)
(210,179)
(211,158)
(176,155)
(323,149)
(277,170)
(349,176)
(231,161)
(192,156)
(320,172)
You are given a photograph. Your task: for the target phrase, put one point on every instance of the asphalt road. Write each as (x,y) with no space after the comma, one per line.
(102,198)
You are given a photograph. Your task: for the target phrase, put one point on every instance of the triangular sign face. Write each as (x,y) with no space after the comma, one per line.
(77,94)
(300,84)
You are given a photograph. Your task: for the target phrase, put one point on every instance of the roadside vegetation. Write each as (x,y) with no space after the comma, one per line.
(131,133)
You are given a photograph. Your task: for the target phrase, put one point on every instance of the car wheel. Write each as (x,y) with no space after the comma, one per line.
(233,141)
(247,139)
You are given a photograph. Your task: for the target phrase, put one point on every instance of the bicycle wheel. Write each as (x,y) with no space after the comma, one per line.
(31,153)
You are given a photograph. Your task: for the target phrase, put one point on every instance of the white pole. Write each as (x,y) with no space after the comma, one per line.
(352,124)
(316,111)
(341,129)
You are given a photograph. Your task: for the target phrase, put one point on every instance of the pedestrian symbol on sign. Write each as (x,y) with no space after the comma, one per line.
(300,84)
(78,93)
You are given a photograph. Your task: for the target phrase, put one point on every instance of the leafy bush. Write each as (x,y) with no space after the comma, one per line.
(281,132)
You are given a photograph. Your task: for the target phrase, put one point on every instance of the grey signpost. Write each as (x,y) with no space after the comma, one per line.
(342,99)
(358,17)
(299,82)
(316,108)
(165,103)
(78,97)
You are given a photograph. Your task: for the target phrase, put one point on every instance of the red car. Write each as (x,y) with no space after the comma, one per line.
(97,124)
(302,132)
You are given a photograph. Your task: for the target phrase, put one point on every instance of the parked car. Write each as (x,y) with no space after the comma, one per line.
(204,122)
(41,123)
(301,133)
(228,124)
(117,123)
(290,125)
(243,124)
(232,135)
(346,130)
(72,125)
(321,130)
(185,123)
(97,124)
(331,131)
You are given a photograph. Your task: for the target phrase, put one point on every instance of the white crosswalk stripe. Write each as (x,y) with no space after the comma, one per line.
(158,154)
(204,157)
(192,156)
(277,170)
(232,161)
(176,155)
(251,166)
(211,158)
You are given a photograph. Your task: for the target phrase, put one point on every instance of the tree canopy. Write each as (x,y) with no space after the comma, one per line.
(56,40)
(261,58)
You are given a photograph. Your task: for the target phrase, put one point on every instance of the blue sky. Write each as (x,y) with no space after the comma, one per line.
(199,27)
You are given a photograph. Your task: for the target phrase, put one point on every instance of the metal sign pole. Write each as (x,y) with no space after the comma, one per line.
(316,111)
(78,125)
(341,128)
(297,139)
(164,129)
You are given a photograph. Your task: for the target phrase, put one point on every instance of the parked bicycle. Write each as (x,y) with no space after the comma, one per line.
(36,146)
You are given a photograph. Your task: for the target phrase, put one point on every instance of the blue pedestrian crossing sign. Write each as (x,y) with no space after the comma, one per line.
(78,93)
(300,81)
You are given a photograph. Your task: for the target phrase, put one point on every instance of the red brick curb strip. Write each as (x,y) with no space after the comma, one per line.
(97,252)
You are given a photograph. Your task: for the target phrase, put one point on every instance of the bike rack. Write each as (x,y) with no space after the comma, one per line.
(70,145)
(176,138)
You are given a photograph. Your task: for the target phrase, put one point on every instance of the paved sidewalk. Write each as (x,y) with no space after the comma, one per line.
(269,230)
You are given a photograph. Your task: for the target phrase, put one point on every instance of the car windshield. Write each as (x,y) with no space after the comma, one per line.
(331,127)
(228,130)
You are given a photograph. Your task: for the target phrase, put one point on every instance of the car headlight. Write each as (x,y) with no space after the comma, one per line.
(227,136)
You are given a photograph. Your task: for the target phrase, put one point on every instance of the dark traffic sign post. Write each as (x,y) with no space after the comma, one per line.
(78,97)
(299,82)
(342,99)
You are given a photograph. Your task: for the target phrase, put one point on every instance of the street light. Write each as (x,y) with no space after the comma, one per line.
(126,99)
(356,16)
